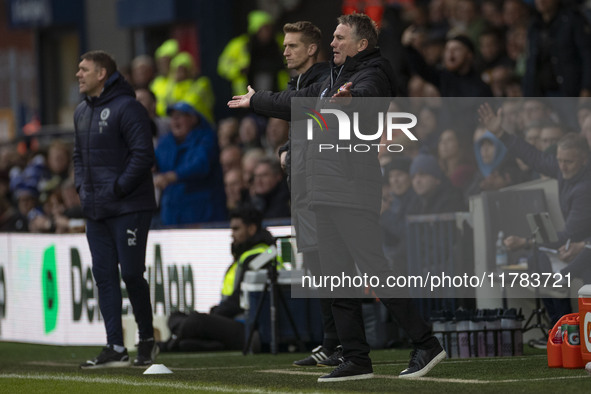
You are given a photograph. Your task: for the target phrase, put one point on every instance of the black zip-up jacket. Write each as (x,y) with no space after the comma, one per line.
(113,153)
(316,73)
(334,178)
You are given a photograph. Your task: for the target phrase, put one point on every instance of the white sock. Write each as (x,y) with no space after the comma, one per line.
(119,348)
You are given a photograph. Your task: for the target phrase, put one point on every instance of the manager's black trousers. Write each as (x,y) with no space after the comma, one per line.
(115,242)
(348,238)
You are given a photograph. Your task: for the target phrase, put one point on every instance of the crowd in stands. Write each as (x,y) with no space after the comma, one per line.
(510,49)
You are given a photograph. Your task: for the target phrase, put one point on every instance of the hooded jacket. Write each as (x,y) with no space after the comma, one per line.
(113,153)
(198,196)
(335,178)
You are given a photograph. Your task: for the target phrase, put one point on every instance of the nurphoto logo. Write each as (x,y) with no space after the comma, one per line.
(348,128)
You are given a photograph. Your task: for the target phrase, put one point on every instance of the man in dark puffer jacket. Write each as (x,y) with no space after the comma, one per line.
(113,157)
(345,191)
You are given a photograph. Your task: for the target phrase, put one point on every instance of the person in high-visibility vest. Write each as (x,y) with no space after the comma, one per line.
(220,330)
(160,85)
(187,85)
(254,58)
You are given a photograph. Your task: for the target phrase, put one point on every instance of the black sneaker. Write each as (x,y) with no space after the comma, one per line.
(348,370)
(146,353)
(318,354)
(334,360)
(422,361)
(109,358)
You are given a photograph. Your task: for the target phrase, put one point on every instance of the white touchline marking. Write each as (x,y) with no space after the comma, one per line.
(71,365)
(184,386)
(199,355)
(428,379)
(51,364)
(203,355)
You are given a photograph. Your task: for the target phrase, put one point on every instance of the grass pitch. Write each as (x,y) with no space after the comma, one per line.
(26,368)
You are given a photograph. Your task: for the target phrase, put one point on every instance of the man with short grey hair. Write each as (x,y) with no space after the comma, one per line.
(347,203)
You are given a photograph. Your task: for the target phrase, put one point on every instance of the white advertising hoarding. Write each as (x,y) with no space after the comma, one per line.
(47,294)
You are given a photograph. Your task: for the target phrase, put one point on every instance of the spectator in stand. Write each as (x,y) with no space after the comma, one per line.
(27,201)
(457,78)
(143,71)
(499,79)
(432,50)
(254,58)
(438,21)
(435,193)
(515,13)
(231,158)
(426,129)
(68,219)
(252,127)
(161,84)
(559,52)
(236,191)
(516,46)
(550,134)
(455,158)
(11,220)
(190,86)
(160,126)
(189,170)
(467,20)
(393,217)
(418,87)
(531,135)
(535,110)
(492,12)
(228,132)
(250,159)
(496,170)
(45,222)
(46,174)
(276,135)
(513,86)
(513,117)
(492,53)
(271,194)
(59,158)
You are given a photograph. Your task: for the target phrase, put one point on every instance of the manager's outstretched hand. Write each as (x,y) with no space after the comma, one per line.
(242,101)
(344,92)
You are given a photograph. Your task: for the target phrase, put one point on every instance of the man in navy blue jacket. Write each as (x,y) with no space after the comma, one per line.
(113,157)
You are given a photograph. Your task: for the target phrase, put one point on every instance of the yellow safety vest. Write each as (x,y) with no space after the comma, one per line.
(230,277)
(235,59)
(160,86)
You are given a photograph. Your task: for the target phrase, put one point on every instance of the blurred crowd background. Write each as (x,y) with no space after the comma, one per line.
(525,53)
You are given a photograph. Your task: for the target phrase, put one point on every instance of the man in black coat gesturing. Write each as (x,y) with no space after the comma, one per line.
(346,195)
